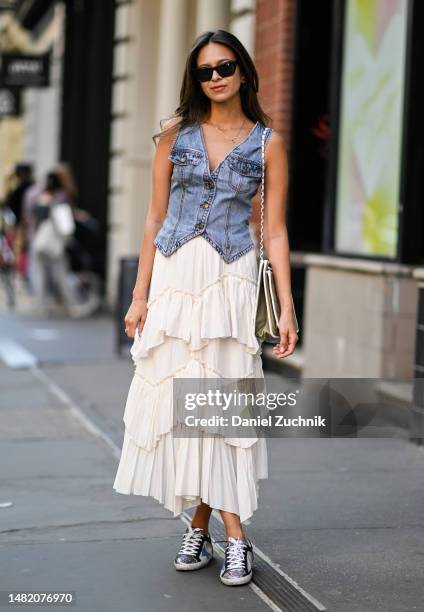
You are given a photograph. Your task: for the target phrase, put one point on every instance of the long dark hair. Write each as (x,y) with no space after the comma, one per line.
(194,104)
(53,182)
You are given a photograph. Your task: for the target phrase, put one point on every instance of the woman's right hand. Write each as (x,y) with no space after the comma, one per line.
(136,317)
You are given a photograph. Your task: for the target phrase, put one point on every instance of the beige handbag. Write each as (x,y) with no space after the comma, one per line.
(267,306)
(47,241)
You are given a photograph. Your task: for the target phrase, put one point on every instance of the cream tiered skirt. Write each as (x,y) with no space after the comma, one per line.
(199,324)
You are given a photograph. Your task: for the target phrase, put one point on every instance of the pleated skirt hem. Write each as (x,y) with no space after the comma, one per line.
(180,473)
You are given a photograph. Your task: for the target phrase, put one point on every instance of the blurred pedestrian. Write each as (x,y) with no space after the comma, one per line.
(7,256)
(66,176)
(53,224)
(82,249)
(23,180)
(69,193)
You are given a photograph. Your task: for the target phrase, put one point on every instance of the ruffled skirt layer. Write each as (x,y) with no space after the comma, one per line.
(199,325)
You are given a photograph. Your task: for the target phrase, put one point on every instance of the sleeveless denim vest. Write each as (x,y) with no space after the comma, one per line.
(216,205)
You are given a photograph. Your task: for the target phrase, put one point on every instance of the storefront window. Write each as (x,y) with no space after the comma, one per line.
(371,127)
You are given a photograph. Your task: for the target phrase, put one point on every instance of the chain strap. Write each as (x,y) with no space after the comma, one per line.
(261,249)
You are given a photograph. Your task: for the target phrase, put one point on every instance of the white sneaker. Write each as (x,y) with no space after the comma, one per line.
(238,562)
(196,550)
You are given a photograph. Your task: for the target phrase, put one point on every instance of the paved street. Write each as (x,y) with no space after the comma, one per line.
(341,517)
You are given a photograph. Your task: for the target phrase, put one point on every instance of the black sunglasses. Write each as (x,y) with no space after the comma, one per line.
(225,69)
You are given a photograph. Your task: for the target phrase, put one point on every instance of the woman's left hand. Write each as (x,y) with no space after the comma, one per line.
(288,336)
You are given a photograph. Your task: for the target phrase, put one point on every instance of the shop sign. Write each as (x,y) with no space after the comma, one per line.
(19,70)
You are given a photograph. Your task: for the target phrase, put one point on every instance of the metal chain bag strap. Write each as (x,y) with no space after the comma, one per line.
(267,306)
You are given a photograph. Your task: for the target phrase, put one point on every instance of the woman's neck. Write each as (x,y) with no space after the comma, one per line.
(225,115)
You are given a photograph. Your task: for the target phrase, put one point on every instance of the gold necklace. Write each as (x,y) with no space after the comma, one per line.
(221,130)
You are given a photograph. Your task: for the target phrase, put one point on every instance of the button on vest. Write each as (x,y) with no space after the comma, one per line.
(216,205)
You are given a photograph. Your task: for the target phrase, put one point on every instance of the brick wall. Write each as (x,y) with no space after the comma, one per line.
(274,40)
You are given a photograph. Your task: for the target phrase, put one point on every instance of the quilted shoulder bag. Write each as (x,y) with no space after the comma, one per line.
(267,306)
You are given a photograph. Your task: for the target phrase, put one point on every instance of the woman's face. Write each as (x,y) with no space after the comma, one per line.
(213,54)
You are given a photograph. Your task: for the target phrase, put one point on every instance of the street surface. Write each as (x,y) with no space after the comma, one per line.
(341,517)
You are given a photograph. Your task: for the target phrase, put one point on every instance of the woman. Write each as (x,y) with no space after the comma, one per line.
(66,192)
(50,266)
(193,306)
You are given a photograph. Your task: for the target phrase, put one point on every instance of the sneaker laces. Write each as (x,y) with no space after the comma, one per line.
(191,541)
(234,553)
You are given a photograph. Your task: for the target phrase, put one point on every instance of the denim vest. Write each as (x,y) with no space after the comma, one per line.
(216,205)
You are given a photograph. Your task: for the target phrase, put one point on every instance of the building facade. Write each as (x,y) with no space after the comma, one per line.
(354,208)
(70,119)
(340,88)
(357,301)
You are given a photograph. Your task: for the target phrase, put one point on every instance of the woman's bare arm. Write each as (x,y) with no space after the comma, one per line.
(161,175)
(276,242)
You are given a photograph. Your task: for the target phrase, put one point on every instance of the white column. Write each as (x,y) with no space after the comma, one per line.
(134,106)
(212,15)
(42,106)
(171,57)
(243,23)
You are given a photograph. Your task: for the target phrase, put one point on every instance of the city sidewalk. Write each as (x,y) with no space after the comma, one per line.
(341,517)
(67,530)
